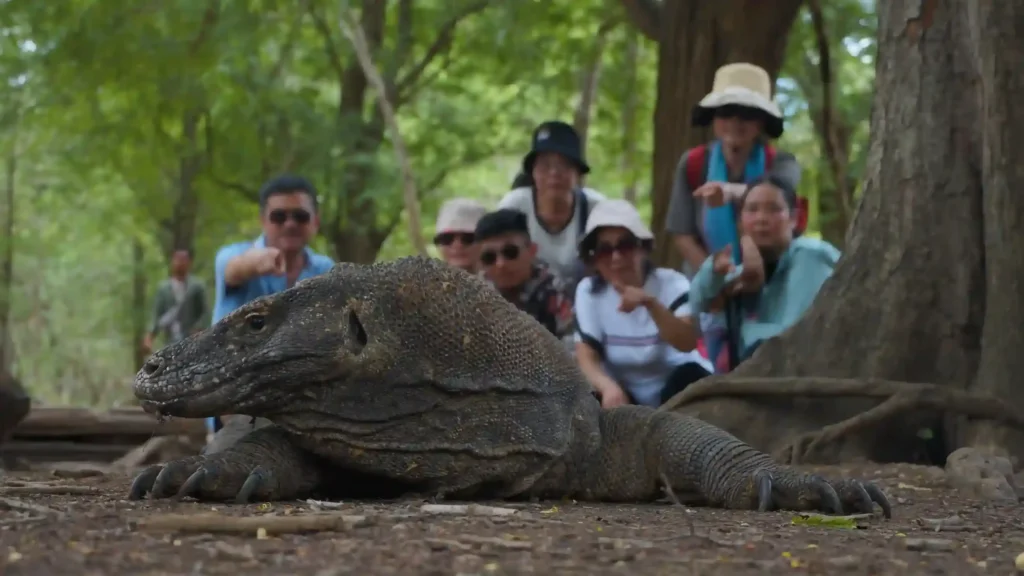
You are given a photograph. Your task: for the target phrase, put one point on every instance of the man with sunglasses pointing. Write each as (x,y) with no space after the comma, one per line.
(279,257)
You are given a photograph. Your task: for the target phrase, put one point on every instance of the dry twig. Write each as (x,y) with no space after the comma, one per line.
(252,524)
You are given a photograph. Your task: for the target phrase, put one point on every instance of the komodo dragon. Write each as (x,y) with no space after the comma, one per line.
(412,377)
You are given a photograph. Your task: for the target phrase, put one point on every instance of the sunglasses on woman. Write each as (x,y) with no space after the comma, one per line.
(449,238)
(742,112)
(625,247)
(508,252)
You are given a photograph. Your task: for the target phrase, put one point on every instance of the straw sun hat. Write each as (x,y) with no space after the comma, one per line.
(741,84)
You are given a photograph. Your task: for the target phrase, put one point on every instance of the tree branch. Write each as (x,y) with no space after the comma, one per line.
(442,44)
(827,107)
(330,47)
(354,32)
(645,15)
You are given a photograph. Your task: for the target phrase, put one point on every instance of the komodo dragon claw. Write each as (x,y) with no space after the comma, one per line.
(242,473)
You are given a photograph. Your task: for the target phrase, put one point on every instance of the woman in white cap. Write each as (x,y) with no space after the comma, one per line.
(552,197)
(456,221)
(635,335)
(743,117)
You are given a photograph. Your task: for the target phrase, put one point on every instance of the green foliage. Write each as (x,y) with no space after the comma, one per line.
(153,125)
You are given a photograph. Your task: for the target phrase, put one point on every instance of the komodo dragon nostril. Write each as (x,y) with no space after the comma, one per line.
(152,367)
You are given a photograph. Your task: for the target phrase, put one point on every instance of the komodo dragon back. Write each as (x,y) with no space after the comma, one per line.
(442,365)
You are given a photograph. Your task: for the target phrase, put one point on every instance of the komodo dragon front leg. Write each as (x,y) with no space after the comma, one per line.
(264,465)
(642,450)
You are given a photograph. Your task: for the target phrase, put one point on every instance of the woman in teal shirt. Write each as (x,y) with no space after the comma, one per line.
(778,276)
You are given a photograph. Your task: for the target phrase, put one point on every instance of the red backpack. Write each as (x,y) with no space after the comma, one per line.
(697,173)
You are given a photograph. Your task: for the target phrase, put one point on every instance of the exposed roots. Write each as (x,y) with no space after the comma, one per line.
(899,398)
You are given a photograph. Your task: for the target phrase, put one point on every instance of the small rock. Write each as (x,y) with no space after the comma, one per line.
(928,545)
(981,475)
(844,562)
(1018,562)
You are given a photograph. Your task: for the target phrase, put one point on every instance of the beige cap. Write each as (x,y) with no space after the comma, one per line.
(459,215)
(617,213)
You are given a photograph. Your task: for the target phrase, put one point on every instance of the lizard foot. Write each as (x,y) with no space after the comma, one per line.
(263,466)
(790,490)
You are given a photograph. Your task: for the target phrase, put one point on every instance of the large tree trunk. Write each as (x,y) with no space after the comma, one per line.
(695,38)
(927,290)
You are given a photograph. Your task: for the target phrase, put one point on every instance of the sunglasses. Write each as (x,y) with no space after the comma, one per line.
(280,216)
(508,252)
(449,238)
(625,247)
(734,111)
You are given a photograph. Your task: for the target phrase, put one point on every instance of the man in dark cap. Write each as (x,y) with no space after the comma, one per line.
(553,198)
(508,260)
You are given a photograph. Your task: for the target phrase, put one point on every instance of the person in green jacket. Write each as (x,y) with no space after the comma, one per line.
(778,277)
(180,306)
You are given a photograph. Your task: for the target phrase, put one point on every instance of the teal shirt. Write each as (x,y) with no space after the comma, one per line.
(783,300)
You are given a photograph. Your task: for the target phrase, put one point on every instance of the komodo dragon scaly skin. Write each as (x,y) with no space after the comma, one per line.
(412,377)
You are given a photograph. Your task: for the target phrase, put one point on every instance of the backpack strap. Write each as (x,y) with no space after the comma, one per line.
(697,166)
(584,202)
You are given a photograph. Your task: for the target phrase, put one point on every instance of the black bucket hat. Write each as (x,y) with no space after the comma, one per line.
(558,137)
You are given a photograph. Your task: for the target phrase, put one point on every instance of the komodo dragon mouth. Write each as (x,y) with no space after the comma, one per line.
(164,394)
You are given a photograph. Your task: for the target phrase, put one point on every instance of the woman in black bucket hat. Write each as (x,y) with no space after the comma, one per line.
(553,198)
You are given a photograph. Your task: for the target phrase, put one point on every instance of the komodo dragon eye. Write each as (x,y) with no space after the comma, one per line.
(256,322)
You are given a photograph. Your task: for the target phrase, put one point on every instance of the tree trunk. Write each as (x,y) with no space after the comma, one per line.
(695,38)
(629,106)
(139,311)
(588,84)
(927,289)
(7,264)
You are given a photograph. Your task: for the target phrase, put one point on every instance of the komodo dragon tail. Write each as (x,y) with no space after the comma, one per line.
(693,456)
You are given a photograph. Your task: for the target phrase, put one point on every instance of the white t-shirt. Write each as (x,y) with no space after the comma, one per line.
(559,251)
(634,355)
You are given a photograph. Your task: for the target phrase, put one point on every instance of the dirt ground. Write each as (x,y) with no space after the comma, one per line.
(102,533)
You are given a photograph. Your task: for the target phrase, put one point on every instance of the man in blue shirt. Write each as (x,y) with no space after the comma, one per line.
(278,258)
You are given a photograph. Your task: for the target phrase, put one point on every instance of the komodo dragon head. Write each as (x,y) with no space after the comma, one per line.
(362,339)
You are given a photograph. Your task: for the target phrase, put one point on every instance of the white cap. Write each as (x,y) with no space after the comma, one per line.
(616,213)
(459,215)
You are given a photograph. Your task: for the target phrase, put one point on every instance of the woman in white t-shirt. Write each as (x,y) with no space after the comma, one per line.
(635,338)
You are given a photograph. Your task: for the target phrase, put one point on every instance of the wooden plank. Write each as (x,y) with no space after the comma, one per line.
(63,451)
(68,422)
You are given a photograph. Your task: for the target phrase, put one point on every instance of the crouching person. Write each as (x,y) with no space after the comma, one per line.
(635,338)
(778,276)
(508,261)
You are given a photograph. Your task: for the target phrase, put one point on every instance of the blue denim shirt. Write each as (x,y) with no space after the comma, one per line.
(228,299)
(801,271)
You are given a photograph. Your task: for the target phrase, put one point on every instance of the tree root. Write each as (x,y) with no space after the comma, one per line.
(205,523)
(900,397)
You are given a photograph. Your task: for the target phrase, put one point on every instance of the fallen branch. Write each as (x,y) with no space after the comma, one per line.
(198,523)
(900,398)
(467,510)
(14,504)
(352,30)
(47,489)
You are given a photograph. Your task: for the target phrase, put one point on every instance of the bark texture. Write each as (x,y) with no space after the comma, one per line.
(928,288)
(694,39)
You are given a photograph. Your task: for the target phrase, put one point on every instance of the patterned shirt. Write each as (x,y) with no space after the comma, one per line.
(547,298)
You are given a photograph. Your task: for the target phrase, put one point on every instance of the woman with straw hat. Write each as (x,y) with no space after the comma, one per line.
(743,117)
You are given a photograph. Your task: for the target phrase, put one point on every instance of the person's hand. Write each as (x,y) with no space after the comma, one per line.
(632,297)
(614,396)
(752,276)
(722,264)
(711,193)
(147,344)
(268,261)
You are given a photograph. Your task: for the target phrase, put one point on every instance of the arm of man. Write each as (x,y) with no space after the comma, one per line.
(239,269)
(161,304)
(681,220)
(228,297)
